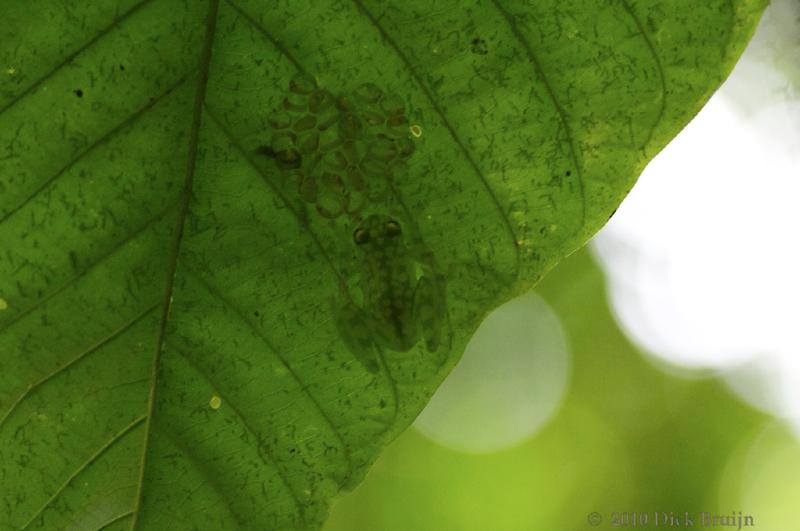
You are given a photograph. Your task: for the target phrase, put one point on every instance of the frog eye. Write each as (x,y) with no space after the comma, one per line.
(392,228)
(361,236)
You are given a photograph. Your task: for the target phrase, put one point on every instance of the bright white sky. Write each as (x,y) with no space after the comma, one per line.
(703,257)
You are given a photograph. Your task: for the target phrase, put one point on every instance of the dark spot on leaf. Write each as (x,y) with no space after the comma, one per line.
(612,213)
(122,67)
(265,150)
(256,313)
(79,93)
(569,173)
(478,46)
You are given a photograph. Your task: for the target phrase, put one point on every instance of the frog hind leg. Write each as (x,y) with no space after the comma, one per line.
(354,329)
(429,310)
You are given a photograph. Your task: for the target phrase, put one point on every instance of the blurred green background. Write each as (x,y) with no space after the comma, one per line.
(624,436)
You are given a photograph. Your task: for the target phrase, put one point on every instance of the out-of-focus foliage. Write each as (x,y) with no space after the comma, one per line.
(628,437)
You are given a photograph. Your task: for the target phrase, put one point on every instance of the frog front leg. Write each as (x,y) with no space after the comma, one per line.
(355,328)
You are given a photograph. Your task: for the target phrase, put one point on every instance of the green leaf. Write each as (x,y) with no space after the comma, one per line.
(174,271)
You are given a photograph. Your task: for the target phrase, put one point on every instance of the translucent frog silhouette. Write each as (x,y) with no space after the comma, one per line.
(400,307)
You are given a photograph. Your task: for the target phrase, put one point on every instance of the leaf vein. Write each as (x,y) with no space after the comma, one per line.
(32,387)
(100,141)
(275,42)
(659,68)
(279,194)
(562,115)
(114,520)
(94,457)
(200,95)
(295,376)
(210,477)
(266,455)
(450,129)
(69,58)
(80,274)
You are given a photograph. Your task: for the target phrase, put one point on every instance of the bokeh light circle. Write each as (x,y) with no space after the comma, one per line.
(509,382)
(762,478)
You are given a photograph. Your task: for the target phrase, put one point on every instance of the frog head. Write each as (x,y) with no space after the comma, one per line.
(378,232)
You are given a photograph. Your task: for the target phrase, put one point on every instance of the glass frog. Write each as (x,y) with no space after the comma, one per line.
(399,308)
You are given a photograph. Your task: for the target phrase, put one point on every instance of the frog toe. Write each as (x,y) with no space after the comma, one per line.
(433,341)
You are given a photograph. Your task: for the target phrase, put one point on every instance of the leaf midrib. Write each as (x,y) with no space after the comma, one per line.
(200,96)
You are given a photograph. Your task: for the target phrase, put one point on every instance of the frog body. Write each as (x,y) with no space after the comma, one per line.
(399,308)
